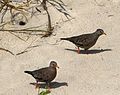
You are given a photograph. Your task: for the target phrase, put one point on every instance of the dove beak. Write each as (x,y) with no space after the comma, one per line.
(104,33)
(58,67)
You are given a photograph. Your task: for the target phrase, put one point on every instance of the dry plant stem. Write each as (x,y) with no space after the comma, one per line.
(27,50)
(61,8)
(20,31)
(3,14)
(23,30)
(50,28)
(21,9)
(6,50)
(17,36)
(28,32)
(15,31)
(11,7)
(4,11)
(29,47)
(2,5)
(49,21)
(11,15)
(21,52)
(3,24)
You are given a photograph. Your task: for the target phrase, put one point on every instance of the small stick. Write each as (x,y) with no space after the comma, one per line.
(23,30)
(6,50)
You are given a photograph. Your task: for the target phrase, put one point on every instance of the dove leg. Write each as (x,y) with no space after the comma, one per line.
(48,87)
(78,50)
(37,85)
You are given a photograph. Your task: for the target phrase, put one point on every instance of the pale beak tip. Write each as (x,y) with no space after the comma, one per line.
(104,33)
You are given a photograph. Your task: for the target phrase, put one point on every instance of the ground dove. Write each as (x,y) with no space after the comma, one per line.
(85,41)
(45,74)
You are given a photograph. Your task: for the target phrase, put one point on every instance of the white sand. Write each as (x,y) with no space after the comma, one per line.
(92,74)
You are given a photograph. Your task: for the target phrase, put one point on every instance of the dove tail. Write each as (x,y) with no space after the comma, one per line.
(64,38)
(28,72)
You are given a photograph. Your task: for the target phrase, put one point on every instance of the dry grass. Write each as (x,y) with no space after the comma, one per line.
(23,8)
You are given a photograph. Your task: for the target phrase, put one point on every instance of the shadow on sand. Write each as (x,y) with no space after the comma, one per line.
(52,84)
(90,51)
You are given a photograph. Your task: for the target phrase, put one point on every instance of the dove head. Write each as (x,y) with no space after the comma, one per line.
(53,64)
(100,32)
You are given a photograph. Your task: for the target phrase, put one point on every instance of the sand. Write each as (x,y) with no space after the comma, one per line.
(96,73)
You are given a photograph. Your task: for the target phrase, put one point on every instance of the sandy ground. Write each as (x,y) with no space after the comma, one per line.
(97,73)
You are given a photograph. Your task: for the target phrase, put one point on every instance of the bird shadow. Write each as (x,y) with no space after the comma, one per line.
(52,84)
(90,51)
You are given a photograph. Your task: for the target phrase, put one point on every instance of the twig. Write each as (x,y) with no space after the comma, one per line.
(26,49)
(24,30)
(17,36)
(22,52)
(3,14)
(6,51)
(50,28)
(60,7)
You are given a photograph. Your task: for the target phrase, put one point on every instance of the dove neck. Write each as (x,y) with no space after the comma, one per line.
(97,34)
